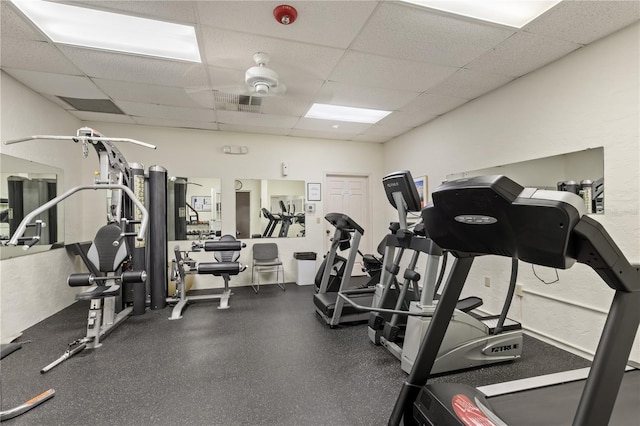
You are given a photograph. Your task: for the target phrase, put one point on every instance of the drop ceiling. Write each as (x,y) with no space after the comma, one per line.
(416,62)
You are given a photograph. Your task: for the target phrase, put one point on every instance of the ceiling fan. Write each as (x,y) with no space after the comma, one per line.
(262,80)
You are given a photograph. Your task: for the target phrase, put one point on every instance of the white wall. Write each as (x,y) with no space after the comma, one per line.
(32,287)
(587,99)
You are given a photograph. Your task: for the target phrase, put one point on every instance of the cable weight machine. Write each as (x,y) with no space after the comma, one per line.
(127,216)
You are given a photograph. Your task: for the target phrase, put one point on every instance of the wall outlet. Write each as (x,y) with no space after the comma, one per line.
(519,289)
(487,281)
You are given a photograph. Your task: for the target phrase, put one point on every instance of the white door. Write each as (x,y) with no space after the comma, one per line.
(349,195)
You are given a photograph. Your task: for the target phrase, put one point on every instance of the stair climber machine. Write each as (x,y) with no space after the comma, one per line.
(493,215)
(226,252)
(328,305)
(472,340)
(119,265)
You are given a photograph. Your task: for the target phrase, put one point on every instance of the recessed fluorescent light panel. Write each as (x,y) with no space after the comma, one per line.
(343,113)
(79,26)
(512,13)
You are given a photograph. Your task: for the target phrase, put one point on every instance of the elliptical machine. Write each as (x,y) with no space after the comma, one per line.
(472,340)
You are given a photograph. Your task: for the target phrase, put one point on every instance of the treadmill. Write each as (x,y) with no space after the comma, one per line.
(329,306)
(492,215)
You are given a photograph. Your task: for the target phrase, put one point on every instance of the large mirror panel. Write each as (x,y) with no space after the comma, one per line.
(270,208)
(580,172)
(24,186)
(193,208)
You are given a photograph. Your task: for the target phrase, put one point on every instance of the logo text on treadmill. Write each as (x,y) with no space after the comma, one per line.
(475,219)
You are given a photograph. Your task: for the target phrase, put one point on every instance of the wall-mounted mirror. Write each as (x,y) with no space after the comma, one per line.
(269,208)
(24,186)
(193,208)
(580,172)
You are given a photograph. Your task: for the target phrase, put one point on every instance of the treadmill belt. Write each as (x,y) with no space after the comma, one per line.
(556,405)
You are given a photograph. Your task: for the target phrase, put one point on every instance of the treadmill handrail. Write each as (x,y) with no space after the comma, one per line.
(46,206)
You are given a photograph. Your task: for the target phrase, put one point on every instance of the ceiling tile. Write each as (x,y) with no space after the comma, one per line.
(223,77)
(13,25)
(521,54)
(167,112)
(432,104)
(372,138)
(327,23)
(285,105)
(407,32)
(254,129)
(364,97)
(302,133)
(100,116)
(253,119)
(585,21)
(154,94)
(117,66)
(70,86)
(386,130)
(406,119)
(328,126)
(470,84)
(172,11)
(416,62)
(183,124)
(230,49)
(388,73)
(34,56)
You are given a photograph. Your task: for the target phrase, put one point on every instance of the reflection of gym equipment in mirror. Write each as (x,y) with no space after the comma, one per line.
(118,266)
(592,192)
(194,210)
(579,172)
(226,253)
(270,208)
(25,185)
(285,219)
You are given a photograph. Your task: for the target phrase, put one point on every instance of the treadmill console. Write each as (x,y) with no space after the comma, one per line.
(403,183)
(344,223)
(494,215)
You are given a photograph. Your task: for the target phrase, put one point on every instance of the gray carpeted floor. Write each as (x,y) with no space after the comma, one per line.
(268,360)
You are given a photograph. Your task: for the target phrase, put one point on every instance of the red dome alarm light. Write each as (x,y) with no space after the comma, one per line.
(285,14)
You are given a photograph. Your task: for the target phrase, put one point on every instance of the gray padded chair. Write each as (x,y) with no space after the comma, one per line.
(265,259)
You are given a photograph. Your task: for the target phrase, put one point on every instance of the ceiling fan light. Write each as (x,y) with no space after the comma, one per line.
(261,88)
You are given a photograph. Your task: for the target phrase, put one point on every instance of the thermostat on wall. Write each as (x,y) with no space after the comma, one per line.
(310,207)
